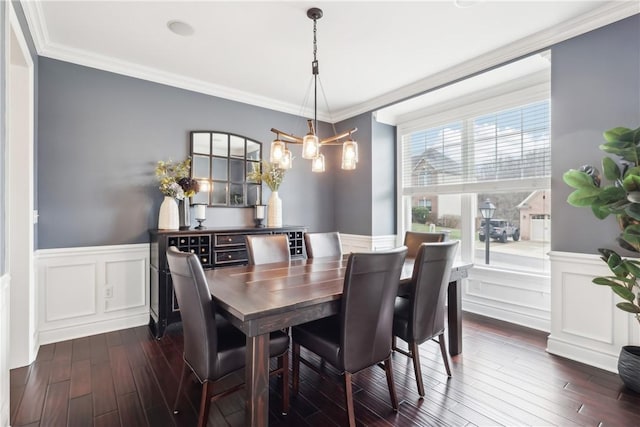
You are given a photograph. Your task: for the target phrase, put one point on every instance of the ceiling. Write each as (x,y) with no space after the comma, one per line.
(371,53)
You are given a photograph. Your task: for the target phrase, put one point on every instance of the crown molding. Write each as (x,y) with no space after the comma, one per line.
(607,14)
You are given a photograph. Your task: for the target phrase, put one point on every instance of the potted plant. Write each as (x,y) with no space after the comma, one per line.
(620,197)
(176,184)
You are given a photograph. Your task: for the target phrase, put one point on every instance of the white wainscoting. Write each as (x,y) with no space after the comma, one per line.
(4,350)
(585,324)
(511,296)
(91,290)
(359,243)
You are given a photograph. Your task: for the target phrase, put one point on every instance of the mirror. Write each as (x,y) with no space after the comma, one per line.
(220,161)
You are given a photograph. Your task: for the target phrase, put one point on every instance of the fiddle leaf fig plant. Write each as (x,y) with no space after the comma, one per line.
(624,282)
(621,196)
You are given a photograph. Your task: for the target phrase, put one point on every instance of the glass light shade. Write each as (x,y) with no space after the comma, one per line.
(286,162)
(487,209)
(277,151)
(317,164)
(259,213)
(348,164)
(349,154)
(200,211)
(310,146)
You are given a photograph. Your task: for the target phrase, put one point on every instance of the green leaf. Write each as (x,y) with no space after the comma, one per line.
(632,234)
(600,212)
(577,179)
(611,195)
(633,210)
(605,281)
(628,307)
(583,197)
(623,293)
(611,169)
(612,135)
(631,182)
(632,267)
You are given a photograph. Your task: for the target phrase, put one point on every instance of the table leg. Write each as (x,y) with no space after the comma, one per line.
(257,381)
(454,310)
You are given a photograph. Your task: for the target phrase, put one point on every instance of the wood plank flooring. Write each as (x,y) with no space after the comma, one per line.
(504,377)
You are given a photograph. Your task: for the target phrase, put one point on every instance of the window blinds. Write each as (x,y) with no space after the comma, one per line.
(503,150)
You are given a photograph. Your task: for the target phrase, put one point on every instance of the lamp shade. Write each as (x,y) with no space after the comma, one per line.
(277,151)
(310,146)
(317,164)
(286,162)
(349,154)
(487,209)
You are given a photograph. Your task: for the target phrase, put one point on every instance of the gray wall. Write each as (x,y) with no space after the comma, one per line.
(353,202)
(595,86)
(101,134)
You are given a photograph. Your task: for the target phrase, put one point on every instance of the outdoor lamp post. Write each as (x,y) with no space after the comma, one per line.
(487,209)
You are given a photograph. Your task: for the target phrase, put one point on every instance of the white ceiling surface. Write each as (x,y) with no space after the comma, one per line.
(370,53)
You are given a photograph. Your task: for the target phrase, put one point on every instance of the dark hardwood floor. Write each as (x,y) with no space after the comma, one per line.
(503,377)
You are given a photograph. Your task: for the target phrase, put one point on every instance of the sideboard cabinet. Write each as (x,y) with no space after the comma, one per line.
(216,248)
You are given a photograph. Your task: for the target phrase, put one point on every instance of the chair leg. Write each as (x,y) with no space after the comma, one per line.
(391,384)
(283,363)
(348,393)
(393,343)
(295,368)
(416,367)
(443,350)
(183,377)
(205,401)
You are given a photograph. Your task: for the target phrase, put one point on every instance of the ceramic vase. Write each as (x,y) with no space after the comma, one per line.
(183,214)
(274,210)
(168,219)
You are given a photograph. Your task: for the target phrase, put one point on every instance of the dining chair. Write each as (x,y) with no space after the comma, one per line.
(267,248)
(323,244)
(212,349)
(359,336)
(419,316)
(413,240)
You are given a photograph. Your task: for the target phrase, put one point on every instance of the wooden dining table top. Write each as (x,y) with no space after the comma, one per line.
(247,292)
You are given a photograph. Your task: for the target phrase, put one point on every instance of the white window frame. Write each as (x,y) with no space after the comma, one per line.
(525,91)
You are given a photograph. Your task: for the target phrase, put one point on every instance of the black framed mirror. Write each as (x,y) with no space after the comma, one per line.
(221,162)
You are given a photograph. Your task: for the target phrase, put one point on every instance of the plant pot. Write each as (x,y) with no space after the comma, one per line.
(629,367)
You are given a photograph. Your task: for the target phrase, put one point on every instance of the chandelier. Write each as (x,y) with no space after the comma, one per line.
(311,143)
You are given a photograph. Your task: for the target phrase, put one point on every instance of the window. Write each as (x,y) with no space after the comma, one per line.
(497,149)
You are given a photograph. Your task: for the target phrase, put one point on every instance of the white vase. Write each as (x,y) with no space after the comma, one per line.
(274,210)
(168,219)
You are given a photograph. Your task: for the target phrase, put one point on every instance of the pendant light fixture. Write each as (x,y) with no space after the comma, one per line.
(311,143)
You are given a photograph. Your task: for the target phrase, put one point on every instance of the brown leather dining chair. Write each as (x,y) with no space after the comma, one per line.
(267,248)
(323,244)
(419,316)
(413,240)
(360,335)
(212,349)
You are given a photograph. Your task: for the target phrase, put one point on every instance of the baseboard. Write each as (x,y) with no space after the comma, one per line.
(539,323)
(586,355)
(4,350)
(87,329)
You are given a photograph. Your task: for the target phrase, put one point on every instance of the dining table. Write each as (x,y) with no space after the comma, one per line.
(260,299)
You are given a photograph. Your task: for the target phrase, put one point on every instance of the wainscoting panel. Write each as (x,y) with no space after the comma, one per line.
(585,324)
(4,350)
(360,243)
(85,291)
(514,297)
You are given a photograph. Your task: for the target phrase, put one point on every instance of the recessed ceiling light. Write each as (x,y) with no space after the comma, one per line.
(463,4)
(180,28)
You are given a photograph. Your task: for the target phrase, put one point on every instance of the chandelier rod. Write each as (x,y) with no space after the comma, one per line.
(332,140)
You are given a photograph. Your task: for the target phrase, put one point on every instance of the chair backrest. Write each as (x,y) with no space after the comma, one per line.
(323,244)
(197,311)
(265,249)
(413,240)
(370,288)
(431,273)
